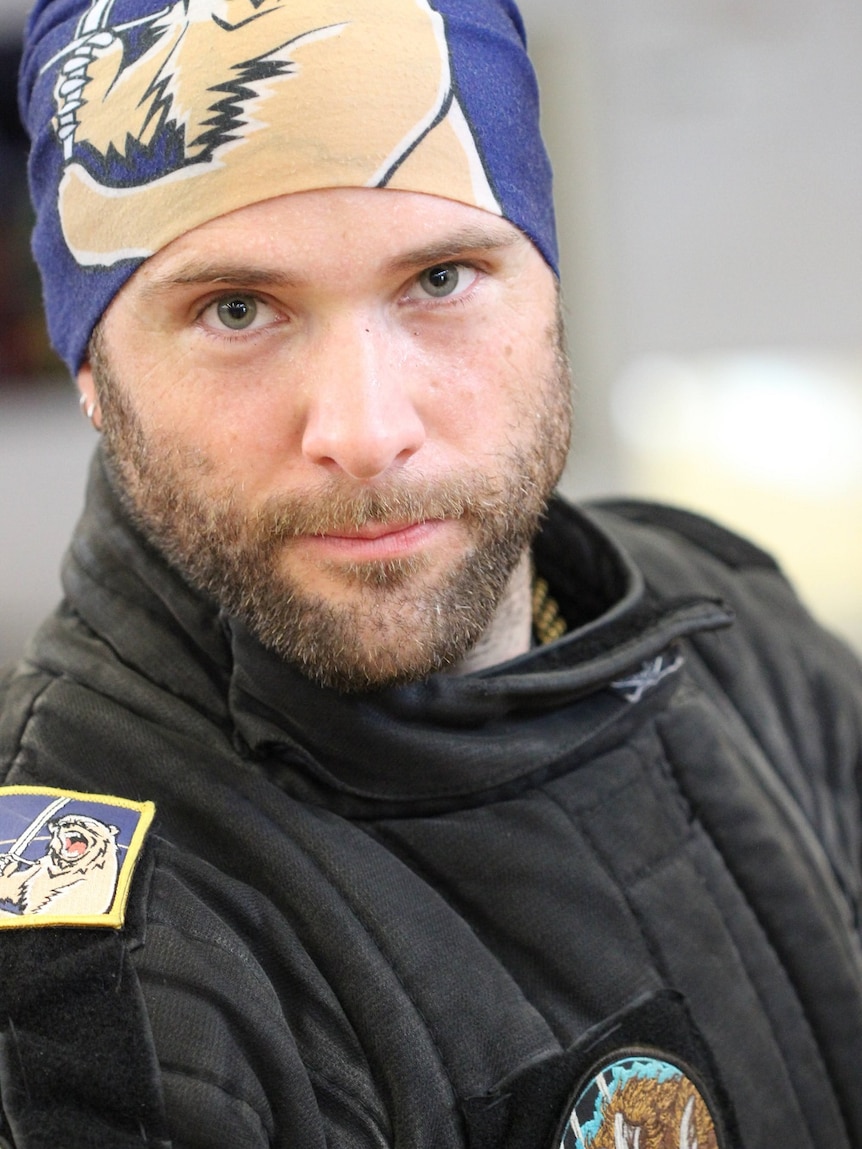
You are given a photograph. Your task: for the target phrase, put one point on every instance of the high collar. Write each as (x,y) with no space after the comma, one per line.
(444,738)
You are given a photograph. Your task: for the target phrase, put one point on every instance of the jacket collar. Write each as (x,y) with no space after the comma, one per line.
(445,738)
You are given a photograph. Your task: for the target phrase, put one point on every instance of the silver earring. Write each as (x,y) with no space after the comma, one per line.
(88,409)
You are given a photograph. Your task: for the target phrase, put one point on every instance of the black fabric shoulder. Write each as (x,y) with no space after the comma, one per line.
(729,548)
(78,1068)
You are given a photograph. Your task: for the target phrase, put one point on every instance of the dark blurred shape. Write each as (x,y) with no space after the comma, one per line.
(25,354)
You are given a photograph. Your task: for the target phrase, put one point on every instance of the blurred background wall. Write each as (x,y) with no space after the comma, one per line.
(708,156)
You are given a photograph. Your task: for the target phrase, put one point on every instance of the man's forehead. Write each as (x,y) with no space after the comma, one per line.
(280,242)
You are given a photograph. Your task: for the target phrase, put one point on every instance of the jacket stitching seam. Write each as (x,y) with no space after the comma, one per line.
(17,762)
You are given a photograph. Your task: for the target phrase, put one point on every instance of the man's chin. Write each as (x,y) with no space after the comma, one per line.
(366,626)
(343,582)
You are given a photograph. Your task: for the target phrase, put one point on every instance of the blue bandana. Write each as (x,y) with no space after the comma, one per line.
(150,117)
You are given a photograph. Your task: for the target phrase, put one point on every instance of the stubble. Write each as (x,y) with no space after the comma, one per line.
(402,620)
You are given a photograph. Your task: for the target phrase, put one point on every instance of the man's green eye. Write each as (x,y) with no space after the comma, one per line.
(237,312)
(441,280)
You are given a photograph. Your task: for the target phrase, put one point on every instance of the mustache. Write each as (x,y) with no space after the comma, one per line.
(338,505)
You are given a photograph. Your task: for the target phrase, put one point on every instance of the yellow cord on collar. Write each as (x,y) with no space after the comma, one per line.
(548,623)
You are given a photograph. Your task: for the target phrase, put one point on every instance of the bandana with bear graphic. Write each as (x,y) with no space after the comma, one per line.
(150,118)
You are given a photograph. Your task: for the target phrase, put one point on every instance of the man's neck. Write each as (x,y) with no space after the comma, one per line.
(510,630)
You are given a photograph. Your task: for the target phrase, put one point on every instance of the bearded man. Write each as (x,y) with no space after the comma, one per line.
(450,814)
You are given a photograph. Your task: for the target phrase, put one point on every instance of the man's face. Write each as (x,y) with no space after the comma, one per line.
(340,413)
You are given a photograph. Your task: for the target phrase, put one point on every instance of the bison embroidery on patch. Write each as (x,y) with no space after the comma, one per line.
(650,1114)
(640,1102)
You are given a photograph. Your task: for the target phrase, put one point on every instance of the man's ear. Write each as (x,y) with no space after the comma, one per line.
(89,399)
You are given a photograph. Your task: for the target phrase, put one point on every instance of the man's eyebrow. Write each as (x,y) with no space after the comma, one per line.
(206,274)
(210,273)
(460,243)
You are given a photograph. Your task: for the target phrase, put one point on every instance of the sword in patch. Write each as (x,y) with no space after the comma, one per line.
(21,843)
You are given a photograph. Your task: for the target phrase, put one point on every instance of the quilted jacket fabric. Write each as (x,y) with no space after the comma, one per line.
(417,918)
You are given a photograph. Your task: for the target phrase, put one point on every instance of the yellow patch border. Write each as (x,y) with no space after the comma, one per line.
(114,916)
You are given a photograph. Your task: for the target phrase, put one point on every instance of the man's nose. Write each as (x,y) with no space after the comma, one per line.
(360,416)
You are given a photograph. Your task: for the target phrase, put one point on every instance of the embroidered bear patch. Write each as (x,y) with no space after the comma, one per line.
(67,858)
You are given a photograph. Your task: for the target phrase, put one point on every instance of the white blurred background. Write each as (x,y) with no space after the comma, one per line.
(708,157)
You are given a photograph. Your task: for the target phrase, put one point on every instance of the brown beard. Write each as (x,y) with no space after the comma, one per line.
(399,626)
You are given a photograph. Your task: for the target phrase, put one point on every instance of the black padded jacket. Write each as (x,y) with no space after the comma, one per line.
(429,917)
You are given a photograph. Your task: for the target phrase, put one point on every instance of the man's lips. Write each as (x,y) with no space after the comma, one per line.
(375,541)
(371,531)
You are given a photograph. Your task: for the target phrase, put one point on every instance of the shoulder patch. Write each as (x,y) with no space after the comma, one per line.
(641,1099)
(67,859)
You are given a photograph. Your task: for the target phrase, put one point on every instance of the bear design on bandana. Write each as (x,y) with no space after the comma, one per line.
(161,117)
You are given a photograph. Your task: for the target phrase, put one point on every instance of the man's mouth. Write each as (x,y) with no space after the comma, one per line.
(371,530)
(375,541)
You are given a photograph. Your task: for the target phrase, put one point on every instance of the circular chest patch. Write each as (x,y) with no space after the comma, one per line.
(640,1100)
